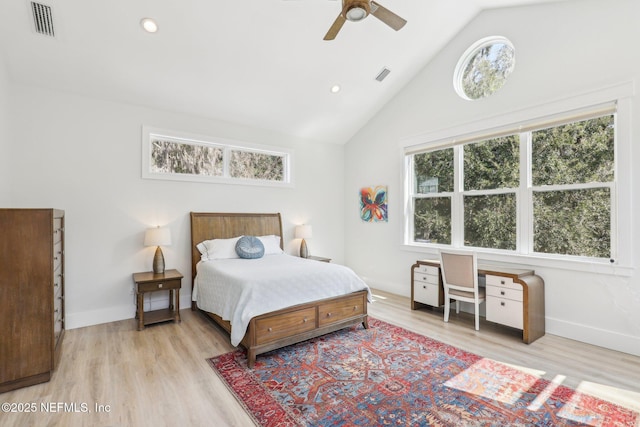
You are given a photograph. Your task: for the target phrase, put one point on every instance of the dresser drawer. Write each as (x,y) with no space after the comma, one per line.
(504,311)
(426,293)
(159,286)
(57,280)
(275,327)
(57,256)
(57,230)
(503,292)
(505,282)
(340,310)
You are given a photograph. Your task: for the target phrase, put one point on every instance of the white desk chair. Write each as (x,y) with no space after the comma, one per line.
(460,281)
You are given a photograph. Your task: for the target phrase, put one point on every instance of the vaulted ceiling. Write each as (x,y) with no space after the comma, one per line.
(259,63)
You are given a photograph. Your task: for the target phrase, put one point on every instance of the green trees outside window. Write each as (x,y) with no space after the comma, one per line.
(564,200)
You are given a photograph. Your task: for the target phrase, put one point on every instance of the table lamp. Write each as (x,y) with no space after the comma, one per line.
(303,232)
(159,236)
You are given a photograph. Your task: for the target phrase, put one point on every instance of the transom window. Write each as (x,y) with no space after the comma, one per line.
(546,189)
(170,155)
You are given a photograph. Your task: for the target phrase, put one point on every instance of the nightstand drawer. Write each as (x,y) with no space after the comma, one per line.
(505,311)
(159,286)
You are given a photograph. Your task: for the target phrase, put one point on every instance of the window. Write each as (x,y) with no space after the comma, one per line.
(484,67)
(169,155)
(547,189)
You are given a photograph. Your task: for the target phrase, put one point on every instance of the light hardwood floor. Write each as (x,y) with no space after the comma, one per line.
(160,376)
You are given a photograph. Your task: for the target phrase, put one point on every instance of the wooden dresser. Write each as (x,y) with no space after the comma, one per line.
(31,295)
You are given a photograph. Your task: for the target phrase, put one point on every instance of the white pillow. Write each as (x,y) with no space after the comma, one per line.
(271,244)
(218,249)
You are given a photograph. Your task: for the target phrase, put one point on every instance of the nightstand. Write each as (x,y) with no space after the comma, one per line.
(319,258)
(170,280)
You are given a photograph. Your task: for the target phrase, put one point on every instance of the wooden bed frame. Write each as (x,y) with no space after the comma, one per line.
(287,326)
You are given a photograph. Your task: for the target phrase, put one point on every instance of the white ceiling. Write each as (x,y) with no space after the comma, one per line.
(261,63)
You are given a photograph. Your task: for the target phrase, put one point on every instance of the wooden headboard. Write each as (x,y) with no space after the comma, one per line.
(217,225)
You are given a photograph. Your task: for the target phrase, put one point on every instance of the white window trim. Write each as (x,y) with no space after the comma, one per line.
(561,110)
(149,133)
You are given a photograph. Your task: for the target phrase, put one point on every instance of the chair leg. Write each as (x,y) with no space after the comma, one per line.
(447,306)
(477,310)
(457,307)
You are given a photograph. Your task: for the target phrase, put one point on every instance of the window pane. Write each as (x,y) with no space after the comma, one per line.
(573,222)
(490,221)
(575,153)
(492,164)
(251,165)
(177,157)
(432,220)
(433,171)
(485,69)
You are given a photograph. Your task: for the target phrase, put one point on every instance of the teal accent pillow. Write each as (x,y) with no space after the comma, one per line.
(249,247)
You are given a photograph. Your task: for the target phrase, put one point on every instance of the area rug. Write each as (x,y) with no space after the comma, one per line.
(386,375)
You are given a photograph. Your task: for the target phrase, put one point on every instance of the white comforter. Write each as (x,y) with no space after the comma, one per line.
(239,289)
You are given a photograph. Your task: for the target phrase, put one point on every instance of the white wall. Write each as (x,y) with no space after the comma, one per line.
(83,155)
(562,50)
(4,134)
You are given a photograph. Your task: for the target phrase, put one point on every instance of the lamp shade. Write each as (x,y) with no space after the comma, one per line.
(303,232)
(159,236)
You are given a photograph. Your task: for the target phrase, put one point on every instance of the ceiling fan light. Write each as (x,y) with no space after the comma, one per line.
(356,14)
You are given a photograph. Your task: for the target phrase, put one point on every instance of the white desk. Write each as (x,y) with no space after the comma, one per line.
(515,297)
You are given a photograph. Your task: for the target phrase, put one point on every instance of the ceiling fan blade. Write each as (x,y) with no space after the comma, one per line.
(335,28)
(386,16)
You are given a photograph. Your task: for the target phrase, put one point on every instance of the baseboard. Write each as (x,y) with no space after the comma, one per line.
(596,336)
(114,314)
(602,338)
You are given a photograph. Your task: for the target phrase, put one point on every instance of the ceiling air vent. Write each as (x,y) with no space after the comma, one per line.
(42,19)
(383,74)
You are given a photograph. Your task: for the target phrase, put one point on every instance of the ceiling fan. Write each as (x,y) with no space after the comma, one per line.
(357,10)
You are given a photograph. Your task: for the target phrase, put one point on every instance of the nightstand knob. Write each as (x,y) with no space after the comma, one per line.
(159,285)
(269,329)
(501,292)
(355,307)
(328,314)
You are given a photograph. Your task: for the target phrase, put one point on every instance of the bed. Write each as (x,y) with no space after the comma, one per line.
(284,326)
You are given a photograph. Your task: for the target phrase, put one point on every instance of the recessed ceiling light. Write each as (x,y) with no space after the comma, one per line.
(335,88)
(149,25)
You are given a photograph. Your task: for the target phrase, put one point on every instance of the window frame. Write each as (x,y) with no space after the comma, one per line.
(149,134)
(547,115)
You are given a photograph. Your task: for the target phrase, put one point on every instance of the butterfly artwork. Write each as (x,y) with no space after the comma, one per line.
(373,204)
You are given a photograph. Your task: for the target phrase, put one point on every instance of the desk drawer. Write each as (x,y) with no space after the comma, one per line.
(506,282)
(508,293)
(427,269)
(504,311)
(426,293)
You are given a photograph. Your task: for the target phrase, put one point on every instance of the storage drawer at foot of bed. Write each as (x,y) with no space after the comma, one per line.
(333,312)
(283,325)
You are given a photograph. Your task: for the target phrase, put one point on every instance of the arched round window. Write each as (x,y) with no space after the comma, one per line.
(484,67)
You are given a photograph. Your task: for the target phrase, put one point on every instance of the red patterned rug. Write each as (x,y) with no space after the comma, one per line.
(386,375)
